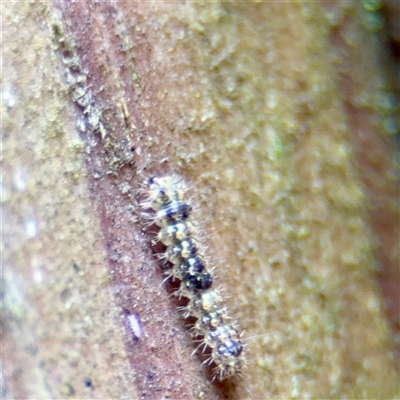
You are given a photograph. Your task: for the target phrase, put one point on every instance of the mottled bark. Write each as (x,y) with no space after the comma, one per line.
(268,111)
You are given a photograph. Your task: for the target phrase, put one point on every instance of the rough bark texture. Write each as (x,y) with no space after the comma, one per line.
(289,177)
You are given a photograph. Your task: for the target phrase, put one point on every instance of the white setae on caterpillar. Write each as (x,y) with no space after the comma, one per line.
(164,204)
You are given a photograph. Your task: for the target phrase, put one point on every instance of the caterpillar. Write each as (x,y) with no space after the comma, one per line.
(163,203)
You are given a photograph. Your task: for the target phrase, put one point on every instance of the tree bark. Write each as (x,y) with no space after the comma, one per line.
(267,111)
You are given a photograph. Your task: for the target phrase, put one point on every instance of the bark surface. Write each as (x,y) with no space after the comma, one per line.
(268,111)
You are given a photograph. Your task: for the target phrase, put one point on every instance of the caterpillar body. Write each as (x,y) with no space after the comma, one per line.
(164,205)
